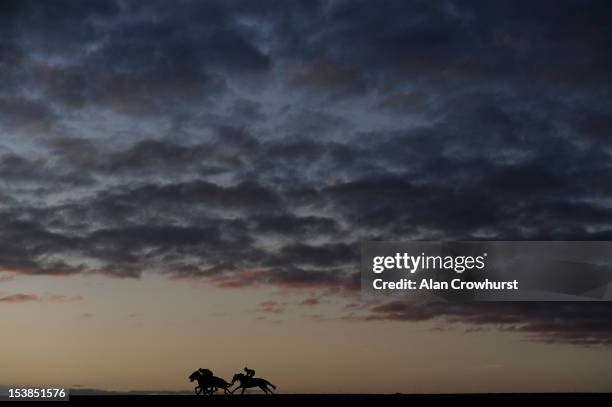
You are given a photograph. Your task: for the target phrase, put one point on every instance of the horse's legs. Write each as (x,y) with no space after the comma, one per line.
(269,389)
(263,387)
(243,389)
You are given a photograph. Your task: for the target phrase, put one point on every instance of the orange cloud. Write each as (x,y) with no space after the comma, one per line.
(310,301)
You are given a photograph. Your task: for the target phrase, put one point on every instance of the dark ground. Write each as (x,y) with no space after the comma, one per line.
(377,399)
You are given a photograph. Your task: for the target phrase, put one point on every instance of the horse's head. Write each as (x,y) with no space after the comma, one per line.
(194,376)
(237,376)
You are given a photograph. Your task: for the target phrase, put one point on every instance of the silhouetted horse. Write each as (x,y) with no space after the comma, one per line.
(246,382)
(209,384)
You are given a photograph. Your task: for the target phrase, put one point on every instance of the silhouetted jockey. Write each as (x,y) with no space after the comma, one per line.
(249,372)
(205,372)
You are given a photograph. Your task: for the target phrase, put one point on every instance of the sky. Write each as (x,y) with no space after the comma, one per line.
(185,184)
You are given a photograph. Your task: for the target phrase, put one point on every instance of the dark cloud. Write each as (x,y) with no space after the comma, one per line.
(15,169)
(291,225)
(328,77)
(581,324)
(250,144)
(329,255)
(597,125)
(25,298)
(24,115)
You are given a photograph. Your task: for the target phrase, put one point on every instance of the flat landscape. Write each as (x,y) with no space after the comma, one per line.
(279,399)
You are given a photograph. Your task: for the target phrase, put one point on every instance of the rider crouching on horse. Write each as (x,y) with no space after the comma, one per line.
(249,372)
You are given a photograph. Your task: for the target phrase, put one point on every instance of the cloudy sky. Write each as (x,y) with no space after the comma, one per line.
(184,185)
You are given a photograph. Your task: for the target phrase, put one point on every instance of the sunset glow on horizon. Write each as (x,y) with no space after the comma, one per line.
(186,185)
